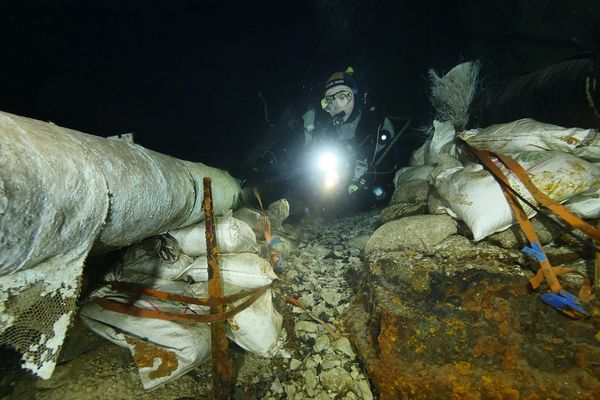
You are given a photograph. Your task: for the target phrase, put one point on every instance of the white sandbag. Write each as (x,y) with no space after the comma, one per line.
(586,206)
(247,270)
(149,281)
(559,175)
(408,174)
(253,218)
(145,257)
(417,158)
(445,165)
(233,236)
(282,243)
(477,199)
(527,135)
(442,141)
(278,211)
(437,205)
(590,148)
(255,329)
(162,350)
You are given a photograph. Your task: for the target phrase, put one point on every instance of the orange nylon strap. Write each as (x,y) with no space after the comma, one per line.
(159,294)
(545,267)
(132,310)
(547,202)
(546,271)
(585,291)
(273,256)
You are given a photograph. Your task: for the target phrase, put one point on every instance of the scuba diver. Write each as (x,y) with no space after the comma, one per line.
(344,160)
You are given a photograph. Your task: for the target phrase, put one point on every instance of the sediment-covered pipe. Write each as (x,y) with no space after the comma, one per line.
(62,192)
(59,187)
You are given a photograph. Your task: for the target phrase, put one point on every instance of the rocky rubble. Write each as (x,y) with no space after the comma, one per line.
(308,362)
(422,312)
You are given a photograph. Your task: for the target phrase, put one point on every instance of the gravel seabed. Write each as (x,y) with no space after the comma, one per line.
(307,363)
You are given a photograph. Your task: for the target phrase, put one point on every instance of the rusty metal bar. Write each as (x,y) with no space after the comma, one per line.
(222,366)
(597,273)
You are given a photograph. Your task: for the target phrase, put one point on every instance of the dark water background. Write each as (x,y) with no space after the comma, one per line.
(185,75)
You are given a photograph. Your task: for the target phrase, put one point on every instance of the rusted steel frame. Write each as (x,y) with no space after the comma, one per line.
(222,366)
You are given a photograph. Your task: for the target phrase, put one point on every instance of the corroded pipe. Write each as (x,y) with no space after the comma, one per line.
(222,366)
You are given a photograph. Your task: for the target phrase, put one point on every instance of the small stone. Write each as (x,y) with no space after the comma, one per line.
(283,353)
(314,361)
(291,274)
(331,297)
(294,364)
(322,343)
(329,364)
(363,388)
(400,210)
(320,251)
(340,309)
(91,388)
(310,379)
(349,396)
(358,242)
(354,260)
(336,380)
(307,299)
(290,390)
(307,326)
(276,386)
(343,344)
(322,396)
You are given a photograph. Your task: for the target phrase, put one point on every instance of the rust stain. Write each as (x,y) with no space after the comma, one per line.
(570,140)
(455,327)
(144,355)
(487,346)
(465,368)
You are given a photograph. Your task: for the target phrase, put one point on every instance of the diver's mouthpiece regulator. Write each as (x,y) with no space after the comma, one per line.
(338,119)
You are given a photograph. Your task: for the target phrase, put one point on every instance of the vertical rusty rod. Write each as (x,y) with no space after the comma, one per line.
(222,366)
(597,272)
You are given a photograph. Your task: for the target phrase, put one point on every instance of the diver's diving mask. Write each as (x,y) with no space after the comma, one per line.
(336,101)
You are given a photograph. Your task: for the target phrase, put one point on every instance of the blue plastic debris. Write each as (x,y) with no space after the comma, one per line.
(535,250)
(565,302)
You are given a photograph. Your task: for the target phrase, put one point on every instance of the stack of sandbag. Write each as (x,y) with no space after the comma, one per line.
(561,162)
(176,263)
(283,237)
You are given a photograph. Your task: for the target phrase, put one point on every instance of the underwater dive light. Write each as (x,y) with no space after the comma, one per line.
(328,165)
(327,162)
(378,192)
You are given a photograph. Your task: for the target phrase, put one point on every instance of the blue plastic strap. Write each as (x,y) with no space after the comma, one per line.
(535,250)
